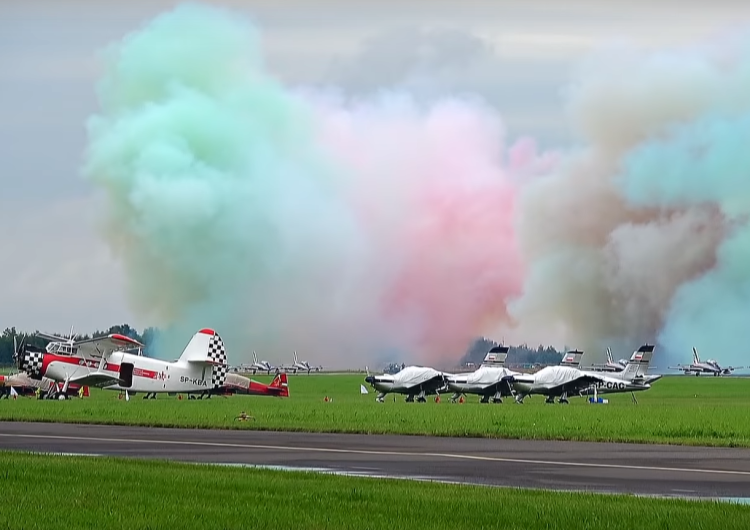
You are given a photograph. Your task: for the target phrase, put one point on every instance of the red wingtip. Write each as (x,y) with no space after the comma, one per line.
(125,339)
(207,331)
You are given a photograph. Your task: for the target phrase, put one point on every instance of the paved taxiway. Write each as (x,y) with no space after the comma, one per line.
(643,469)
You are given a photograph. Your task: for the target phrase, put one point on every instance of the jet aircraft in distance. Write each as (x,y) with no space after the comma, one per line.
(708,367)
(300,365)
(262,366)
(611,365)
(414,381)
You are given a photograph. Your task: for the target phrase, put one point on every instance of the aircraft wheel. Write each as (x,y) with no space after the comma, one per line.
(62,397)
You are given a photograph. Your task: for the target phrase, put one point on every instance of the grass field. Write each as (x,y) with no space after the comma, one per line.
(118,493)
(677,410)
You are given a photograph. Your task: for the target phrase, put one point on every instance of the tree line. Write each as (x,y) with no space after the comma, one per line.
(146,338)
(520,355)
(523,354)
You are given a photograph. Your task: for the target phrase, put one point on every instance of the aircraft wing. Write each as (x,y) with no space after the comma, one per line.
(565,381)
(95,379)
(98,346)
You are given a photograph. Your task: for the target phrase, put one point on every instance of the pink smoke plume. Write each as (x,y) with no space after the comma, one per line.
(436,192)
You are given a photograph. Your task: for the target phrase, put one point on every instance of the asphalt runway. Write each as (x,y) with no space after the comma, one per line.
(603,467)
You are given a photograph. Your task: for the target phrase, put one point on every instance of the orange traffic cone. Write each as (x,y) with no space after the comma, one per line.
(326,399)
(437,399)
(461,399)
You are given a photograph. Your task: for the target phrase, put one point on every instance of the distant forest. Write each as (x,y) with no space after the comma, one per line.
(523,355)
(6,340)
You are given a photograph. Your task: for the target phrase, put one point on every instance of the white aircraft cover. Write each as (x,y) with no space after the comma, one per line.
(414,375)
(553,376)
(488,375)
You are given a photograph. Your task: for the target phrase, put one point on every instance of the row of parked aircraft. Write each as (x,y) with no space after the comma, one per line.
(493,381)
(265,366)
(115,362)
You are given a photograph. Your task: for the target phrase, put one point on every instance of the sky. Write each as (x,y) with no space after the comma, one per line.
(518,56)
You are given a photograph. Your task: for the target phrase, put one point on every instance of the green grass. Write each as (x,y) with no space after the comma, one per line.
(43,491)
(677,410)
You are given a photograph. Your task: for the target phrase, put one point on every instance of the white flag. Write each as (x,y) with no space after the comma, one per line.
(13,392)
(363,390)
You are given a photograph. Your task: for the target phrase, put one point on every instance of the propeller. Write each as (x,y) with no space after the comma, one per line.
(19,350)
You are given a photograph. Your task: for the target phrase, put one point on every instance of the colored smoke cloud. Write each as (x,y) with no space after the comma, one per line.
(389,228)
(641,217)
(293,220)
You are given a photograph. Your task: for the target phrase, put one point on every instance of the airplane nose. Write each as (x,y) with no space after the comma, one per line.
(370,379)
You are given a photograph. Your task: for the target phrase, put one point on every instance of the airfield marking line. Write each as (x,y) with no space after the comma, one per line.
(381,453)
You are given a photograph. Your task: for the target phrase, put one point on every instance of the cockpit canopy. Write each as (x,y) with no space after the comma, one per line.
(62,348)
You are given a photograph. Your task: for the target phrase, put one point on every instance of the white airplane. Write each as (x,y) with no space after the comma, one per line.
(201,368)
(709,367)
(414,381)
(611,365)
(301,365)
(635,370)
(263,366)
(559,381)
(490,380)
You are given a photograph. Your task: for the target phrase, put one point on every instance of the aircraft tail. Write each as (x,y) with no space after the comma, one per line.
(280,381)
(638,364)
(207,347)
(496,356)
(572,358)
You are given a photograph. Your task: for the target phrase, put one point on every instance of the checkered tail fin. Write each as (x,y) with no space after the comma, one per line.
(206,347)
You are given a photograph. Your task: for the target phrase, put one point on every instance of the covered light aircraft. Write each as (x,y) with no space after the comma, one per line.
(635,370)
(709,367)
(202,367)
(490,380)
(414,381)
(560,381)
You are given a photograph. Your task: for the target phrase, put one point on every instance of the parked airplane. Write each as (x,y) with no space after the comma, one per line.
(263,366)
(559,381)
(237,384)
(490,380)
(635,370)
(201,367)
(708,367)
(611,365)
(26,386)
(414,381)
(301,365)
